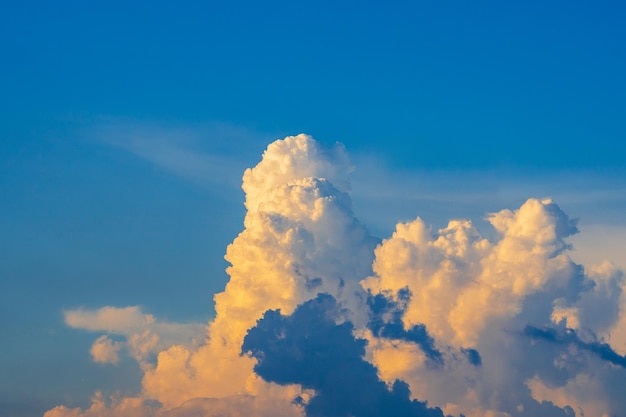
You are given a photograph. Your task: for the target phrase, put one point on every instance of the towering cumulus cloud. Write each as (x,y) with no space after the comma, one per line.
(321,319)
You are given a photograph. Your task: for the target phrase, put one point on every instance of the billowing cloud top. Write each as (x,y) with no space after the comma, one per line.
(293,159)
(321,319)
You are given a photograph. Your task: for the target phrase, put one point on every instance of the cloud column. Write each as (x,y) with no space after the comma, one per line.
(300,239)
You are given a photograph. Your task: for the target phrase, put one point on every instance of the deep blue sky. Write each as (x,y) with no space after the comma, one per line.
(532,88)
(523,83)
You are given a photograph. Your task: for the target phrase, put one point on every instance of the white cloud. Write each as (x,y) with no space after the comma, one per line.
(108,319)
(472,295)
(144,335)
(300,238)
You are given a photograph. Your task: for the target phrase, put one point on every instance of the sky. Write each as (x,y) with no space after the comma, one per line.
(431,194)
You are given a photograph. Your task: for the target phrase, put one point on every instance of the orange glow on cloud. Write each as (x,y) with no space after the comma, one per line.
(301,238)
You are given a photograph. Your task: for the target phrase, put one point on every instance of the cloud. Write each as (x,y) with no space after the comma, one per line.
(469,293)
(143,334)
(105,350)
(309,348)
(320,318)
(108,319)
(300,238)
(569,337)
(233,406)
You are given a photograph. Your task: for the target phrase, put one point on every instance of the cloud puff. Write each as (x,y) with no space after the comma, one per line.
(459,281)
(143,334)
(319,318)
(105,350)
(109,319)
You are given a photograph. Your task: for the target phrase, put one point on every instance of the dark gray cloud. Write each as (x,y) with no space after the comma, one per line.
(386,321)
(564,336)
(310,349)
(472,356)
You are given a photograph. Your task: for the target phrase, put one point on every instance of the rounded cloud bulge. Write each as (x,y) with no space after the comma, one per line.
(320,318)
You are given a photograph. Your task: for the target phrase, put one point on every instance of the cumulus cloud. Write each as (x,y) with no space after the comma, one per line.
(319,318)
(300,238)
(143,335)
(477,296)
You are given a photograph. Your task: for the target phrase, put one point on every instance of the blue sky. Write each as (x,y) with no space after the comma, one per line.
(125,129)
